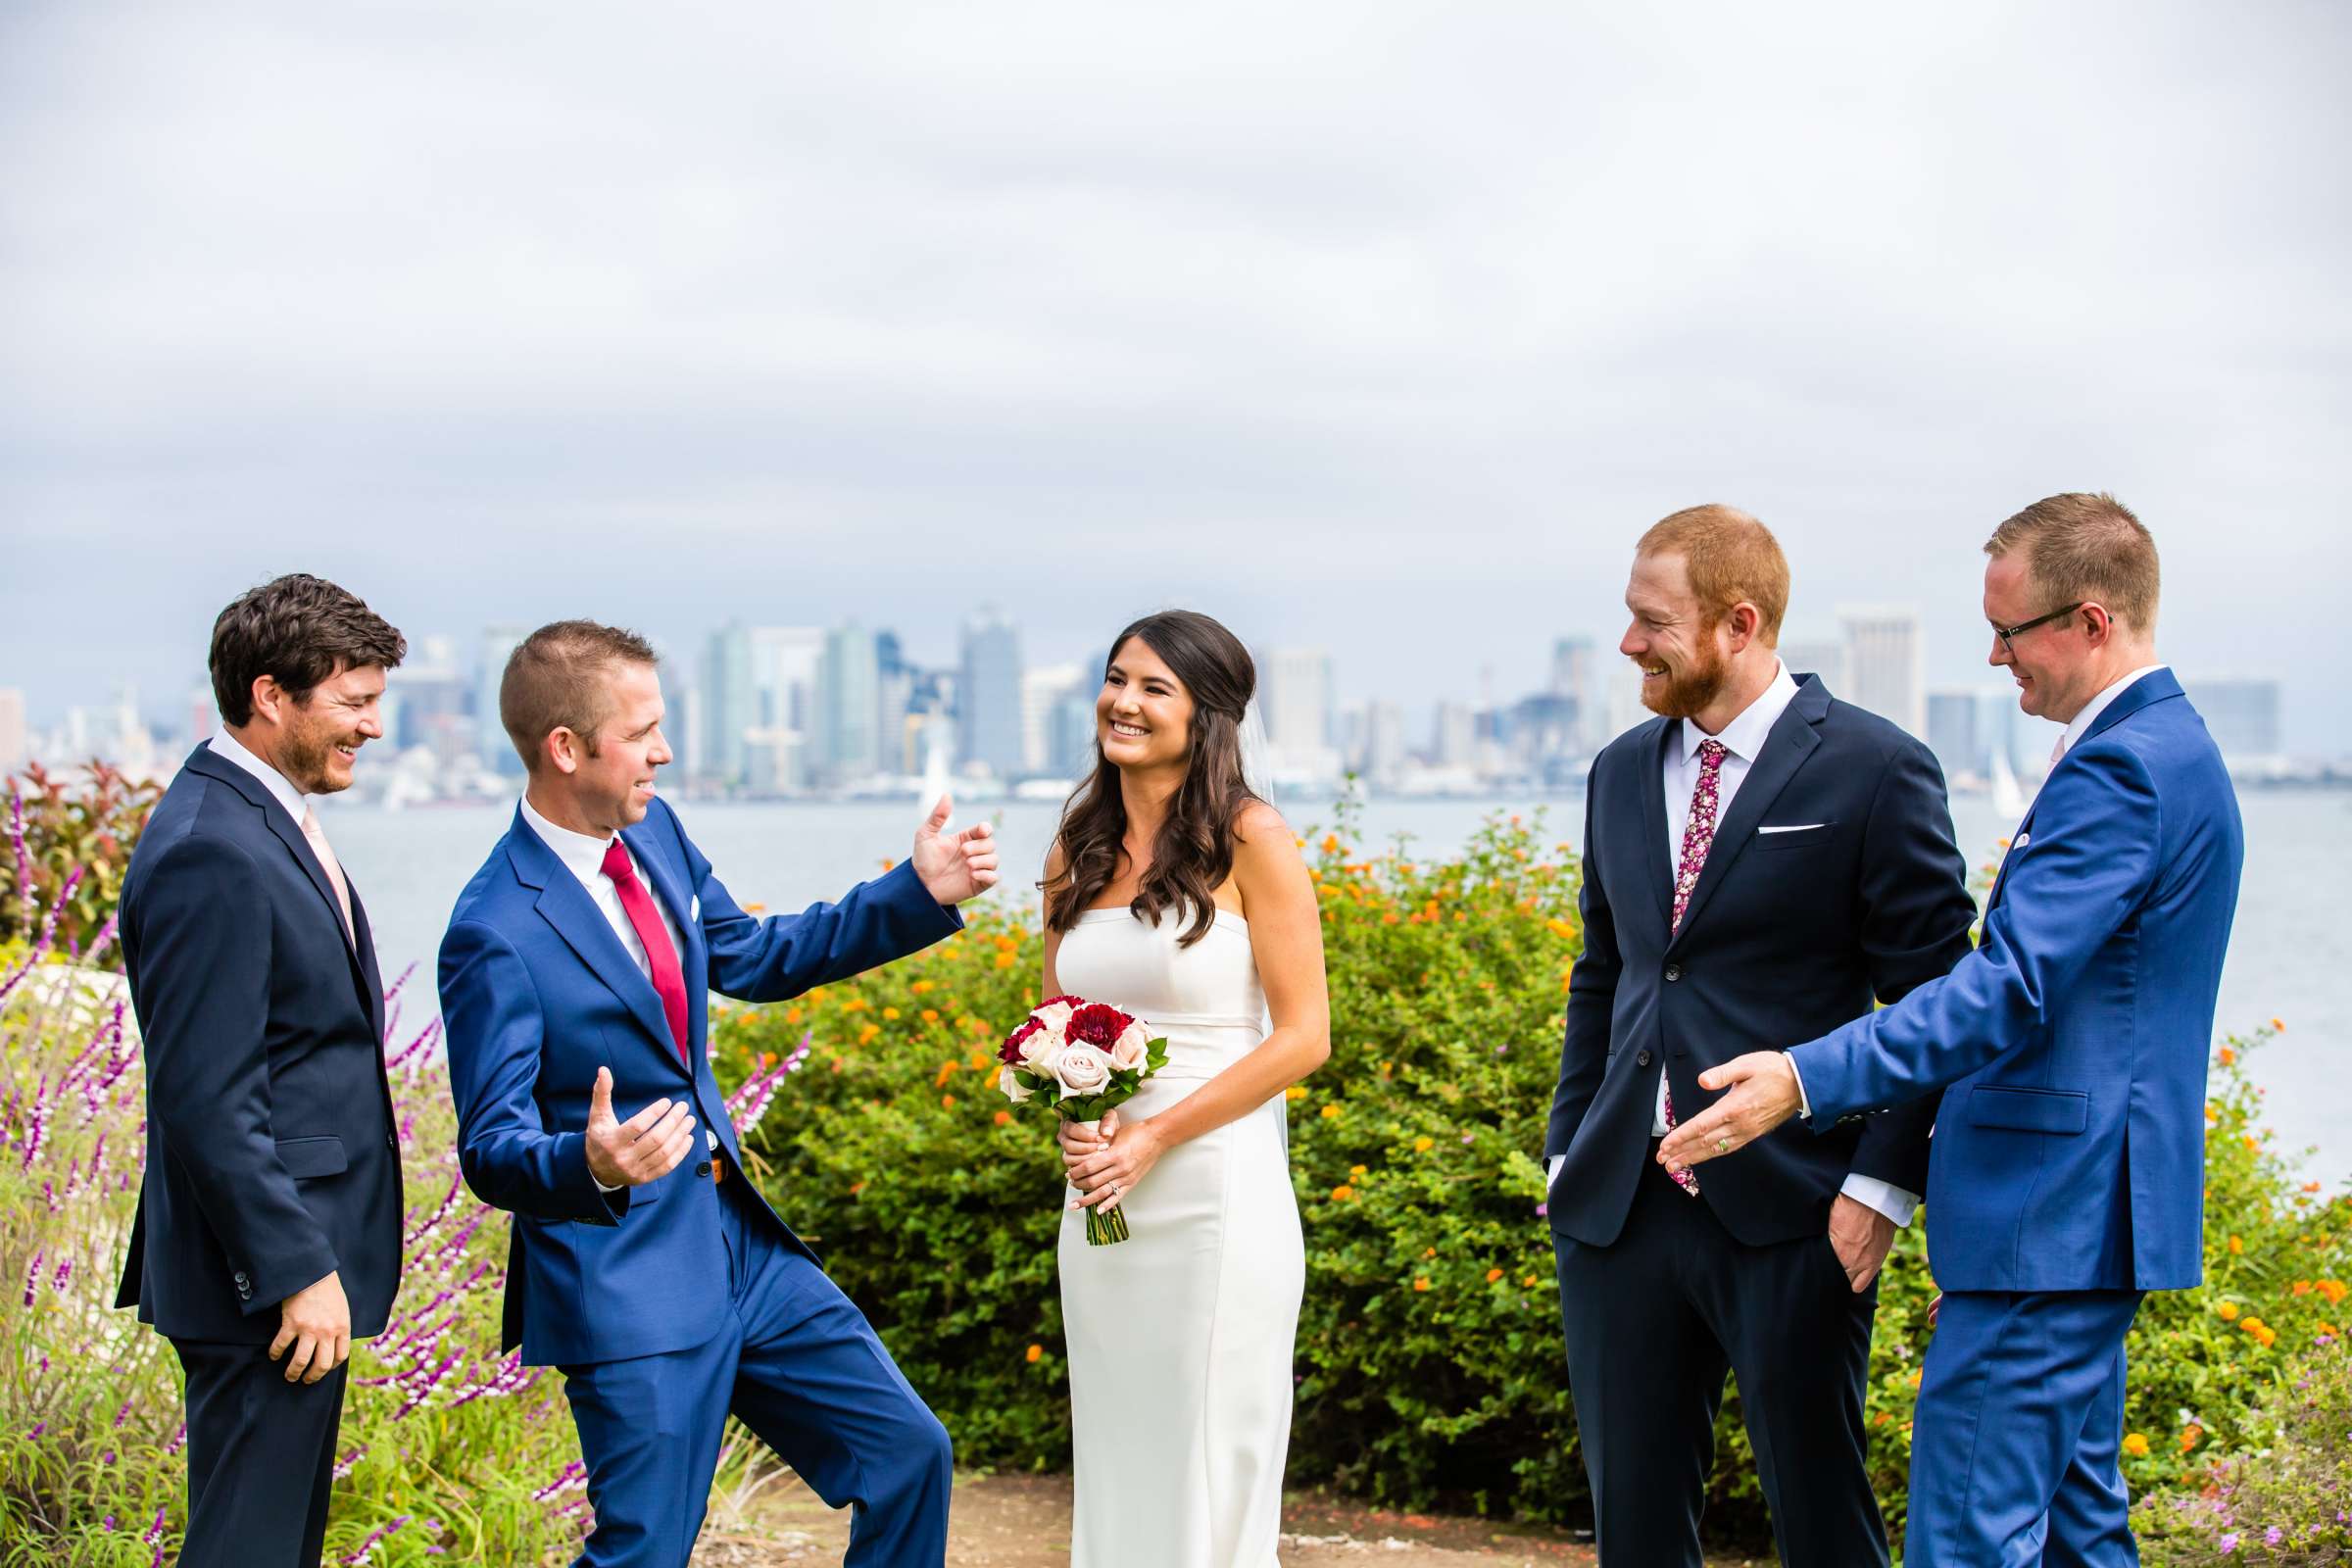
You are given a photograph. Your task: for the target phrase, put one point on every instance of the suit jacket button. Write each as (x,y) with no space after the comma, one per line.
(242,1282)
(392,1142)
(703,1169)
(1641,1060)
(1674,971)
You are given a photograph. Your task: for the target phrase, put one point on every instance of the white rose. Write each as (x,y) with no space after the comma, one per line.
(1055,1016)
(1040,1048)
(1133,1048)
(1009,1080)
(1082,1070)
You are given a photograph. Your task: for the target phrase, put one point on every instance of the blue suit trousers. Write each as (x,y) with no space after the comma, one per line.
(799,1363)
(2016,1443)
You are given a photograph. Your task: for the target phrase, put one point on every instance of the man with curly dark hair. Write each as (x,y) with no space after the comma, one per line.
(269,1229)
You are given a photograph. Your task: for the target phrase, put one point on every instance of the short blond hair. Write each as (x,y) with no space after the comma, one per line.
(1732,558)
(2087,548)
(554,679)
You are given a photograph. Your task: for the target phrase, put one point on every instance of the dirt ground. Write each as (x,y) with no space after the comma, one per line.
(1024,1522)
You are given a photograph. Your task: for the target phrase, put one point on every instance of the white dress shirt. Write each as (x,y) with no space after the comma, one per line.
(1743,739)
(583,856)
(282,788)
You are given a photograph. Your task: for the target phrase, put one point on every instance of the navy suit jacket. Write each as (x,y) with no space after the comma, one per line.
(1786,935)
(2070,1155)
(270,1155)
(537,993)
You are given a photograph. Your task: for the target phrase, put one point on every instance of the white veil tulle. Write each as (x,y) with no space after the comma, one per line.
(1258,763)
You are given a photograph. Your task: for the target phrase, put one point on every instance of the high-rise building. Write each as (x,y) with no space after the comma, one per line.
(894,694)
(1883,665)
(988,695)
(1385,748)
(782,749)
(428,702)
(850,706)
(1454,742)
(1626,709)
(204,715)
(1043,692)
(729,708)
(2243,716)
(1953,736)
(1296,698)
(15,741)
(490,739)
(1572,671)
(1817,654)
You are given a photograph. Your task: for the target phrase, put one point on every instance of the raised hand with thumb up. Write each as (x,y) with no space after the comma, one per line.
(955,867)
(632,1153)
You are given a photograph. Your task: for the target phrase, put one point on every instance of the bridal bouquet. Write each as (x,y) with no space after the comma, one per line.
(1078,1058)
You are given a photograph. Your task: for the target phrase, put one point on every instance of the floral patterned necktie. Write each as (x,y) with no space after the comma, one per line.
(1698,836)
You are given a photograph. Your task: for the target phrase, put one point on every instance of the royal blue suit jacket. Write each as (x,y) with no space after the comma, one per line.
(2070,1151)
(537,993)
(1786,934)
(271,1159)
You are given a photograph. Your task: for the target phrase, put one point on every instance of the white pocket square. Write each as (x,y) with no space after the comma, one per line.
(2020,842)
(1792,827)
(694,909)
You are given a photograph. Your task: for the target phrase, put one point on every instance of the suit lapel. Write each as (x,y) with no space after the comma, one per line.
(289,833)
(2156,686)
(1652,784)
(566,904)
(369,975)
(1791,741)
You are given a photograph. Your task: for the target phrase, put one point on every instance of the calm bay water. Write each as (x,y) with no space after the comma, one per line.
(2282,961)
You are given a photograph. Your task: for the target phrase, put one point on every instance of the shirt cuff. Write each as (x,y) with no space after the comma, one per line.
(1881,1196)
(602,1187)
(1804,1105)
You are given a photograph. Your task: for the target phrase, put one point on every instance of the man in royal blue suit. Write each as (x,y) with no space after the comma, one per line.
(1762,861)
(267,1235)
(2067,1177)
(573,975)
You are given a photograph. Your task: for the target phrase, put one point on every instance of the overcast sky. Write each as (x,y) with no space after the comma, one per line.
(1386,328)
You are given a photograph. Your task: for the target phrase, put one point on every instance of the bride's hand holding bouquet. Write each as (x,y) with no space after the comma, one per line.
(1082,1060)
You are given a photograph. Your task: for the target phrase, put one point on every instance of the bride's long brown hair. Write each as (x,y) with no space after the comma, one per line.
(1194,854)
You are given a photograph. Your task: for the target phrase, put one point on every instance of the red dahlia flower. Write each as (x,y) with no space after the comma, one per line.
(1098,1025)
(1010,1051)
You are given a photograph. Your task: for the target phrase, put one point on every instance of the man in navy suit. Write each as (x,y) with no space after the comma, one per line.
(1761,862)
(2071,1047)
(269,1227)
(574,975)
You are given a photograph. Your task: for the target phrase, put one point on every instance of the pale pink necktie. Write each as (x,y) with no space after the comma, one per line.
(1698,835)
(327,859)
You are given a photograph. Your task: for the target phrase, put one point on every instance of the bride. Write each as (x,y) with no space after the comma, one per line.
(1174,893)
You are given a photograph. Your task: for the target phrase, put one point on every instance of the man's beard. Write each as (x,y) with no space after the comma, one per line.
(302,758)
(1686,693)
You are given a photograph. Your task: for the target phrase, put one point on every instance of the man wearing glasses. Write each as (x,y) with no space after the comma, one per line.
(2067,1171)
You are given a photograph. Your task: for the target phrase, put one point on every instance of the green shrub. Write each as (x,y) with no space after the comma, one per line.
(69,843)
(2291,1503)
(1428,1357)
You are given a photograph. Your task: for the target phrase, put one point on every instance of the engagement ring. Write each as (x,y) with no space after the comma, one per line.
(1722,1143)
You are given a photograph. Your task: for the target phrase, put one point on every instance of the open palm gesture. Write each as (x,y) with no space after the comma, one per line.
(955,867)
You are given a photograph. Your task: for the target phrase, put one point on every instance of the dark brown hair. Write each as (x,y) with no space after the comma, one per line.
(1731,557)
(2089,548)
(555,681)
(301,631)
(1194,854)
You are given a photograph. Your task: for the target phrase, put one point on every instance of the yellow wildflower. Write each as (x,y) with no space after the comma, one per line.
(2135,1444)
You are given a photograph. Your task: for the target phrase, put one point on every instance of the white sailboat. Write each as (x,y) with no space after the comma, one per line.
(2008,796)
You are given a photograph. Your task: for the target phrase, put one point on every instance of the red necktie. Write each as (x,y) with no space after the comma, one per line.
(659,956)
(1698,836)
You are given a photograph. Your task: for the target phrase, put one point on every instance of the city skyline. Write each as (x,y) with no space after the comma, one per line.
(769,711)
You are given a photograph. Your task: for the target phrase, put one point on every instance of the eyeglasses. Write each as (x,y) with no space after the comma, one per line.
(2005,633)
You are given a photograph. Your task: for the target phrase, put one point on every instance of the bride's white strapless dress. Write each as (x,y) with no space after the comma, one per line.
(1181,1337)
